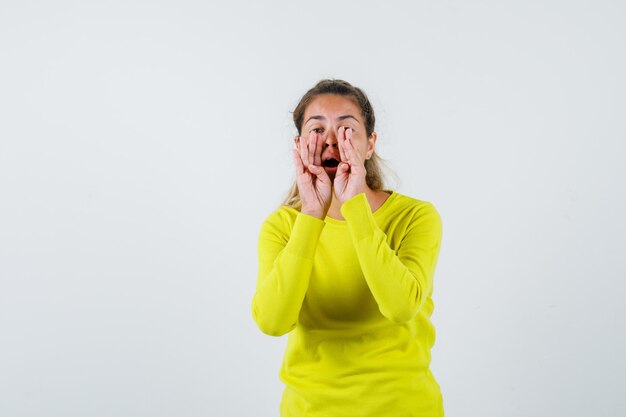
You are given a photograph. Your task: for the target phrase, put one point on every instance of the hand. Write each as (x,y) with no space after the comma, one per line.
(314,185)
(350,176)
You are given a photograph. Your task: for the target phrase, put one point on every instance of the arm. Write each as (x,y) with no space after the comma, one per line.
(400,283)
(285,264)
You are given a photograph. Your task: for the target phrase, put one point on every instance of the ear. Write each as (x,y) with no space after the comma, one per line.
(296,141)
(371,142)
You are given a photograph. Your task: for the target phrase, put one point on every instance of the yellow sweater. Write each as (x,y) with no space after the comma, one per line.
(355,297)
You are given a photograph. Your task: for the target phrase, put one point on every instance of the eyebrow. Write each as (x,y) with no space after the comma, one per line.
(340,118)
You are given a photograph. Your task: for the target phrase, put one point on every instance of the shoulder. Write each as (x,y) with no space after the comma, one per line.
(409,215)
(401,204)
(280,221)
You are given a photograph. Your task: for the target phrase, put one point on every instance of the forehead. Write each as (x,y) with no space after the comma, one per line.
(332,106)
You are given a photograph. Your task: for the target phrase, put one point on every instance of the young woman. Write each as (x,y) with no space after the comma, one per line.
(346,268)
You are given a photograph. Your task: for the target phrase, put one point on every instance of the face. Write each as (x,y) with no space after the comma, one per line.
(325,115)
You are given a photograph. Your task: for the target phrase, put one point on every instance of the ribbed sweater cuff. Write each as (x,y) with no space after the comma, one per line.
(358,214)
(305,235)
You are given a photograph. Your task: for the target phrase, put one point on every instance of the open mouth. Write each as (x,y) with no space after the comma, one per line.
(330,163)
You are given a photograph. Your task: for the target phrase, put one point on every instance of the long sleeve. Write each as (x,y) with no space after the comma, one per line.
(285,264)
(400,282)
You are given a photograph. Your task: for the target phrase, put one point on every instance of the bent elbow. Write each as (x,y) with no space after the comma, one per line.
(271,327)
(401,316)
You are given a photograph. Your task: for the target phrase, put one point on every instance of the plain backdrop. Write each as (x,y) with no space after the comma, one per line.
(142,144)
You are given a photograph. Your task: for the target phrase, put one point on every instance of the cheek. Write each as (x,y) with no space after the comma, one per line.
(365,149)
(361,149)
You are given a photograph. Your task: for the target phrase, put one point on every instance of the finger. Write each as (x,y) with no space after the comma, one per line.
(341,135)
(319,145)
(298,161)
(348,134)
(311,149)
(304,155)
(353,155)
(320,173)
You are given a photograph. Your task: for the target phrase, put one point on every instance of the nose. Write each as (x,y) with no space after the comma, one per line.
(330,139)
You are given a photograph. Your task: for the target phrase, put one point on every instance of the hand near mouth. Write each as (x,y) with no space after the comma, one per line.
(314,185)
(350,177)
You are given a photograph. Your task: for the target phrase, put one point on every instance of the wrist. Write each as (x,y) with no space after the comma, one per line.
(315,213)
(350,196)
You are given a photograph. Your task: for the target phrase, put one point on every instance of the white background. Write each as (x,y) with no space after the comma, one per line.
(142,144)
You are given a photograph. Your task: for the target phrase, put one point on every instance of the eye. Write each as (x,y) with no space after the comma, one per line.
(317,130)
